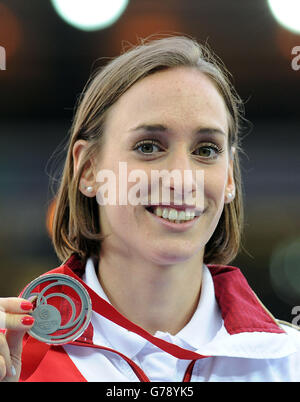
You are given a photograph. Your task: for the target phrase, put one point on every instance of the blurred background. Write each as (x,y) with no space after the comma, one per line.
(45,61)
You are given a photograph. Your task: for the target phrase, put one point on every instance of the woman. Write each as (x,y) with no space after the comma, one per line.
(165,305)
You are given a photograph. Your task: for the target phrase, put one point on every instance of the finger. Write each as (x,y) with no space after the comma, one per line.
(12,318)
(5,355)
(17,326)
(2,368)
(15,305)
(17,322)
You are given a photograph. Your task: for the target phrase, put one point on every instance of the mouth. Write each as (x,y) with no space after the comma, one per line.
(183,217)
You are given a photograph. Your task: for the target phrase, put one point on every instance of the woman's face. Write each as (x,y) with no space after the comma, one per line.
(174,119)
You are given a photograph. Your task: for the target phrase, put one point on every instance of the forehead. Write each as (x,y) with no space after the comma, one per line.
(180,97)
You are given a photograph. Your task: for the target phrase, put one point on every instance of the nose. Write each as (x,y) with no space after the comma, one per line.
(186,182)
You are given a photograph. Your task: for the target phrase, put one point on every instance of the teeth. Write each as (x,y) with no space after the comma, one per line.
(181,216)
(189,214)
(173,215)
(158,211)
(165,213)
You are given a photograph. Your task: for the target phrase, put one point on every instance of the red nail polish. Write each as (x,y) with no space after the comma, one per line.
(26,306)
(28,320)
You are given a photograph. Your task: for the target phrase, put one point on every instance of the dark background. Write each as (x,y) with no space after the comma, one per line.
(48,63)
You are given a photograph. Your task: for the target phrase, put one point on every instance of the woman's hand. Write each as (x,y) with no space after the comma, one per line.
(15,318)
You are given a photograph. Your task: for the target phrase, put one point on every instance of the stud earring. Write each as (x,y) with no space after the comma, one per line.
(89,189)
(230,195)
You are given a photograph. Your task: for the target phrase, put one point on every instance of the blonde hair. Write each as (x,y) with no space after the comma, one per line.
(76,226)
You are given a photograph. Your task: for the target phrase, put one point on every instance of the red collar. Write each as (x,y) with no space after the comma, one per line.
(240,307)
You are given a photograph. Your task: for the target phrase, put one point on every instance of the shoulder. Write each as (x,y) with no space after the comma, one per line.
(289,366)
(293,331)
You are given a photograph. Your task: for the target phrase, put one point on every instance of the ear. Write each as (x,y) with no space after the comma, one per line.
(230,185)
(87,180)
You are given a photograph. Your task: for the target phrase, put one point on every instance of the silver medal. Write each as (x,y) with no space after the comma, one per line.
(63,308)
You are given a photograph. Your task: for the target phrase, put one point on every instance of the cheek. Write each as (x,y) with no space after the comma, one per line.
(214,184)
(115,215)
(135,187)
(118,219)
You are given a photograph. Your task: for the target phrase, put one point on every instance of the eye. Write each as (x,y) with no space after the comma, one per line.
(147,147)
(208,151)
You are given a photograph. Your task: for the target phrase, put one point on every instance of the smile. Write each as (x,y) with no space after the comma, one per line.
(173,218)
(172,214)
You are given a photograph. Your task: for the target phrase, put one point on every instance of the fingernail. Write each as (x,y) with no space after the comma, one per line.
(32,298)
(13,371)
(28,320)
(26,306)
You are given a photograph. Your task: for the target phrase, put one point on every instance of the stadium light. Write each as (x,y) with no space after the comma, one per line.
(286,13)
(90,15)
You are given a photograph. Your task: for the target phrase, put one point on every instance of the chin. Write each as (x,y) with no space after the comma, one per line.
(174,255)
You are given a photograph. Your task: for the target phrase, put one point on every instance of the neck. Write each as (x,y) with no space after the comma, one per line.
(155,297)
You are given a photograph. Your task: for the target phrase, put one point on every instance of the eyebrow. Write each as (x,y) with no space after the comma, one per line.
(159,128)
